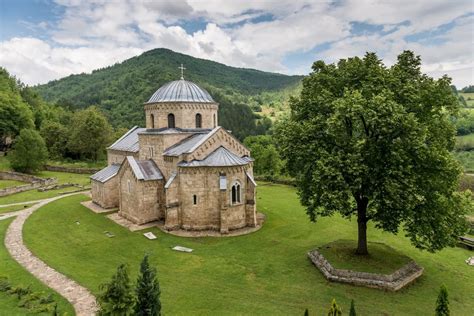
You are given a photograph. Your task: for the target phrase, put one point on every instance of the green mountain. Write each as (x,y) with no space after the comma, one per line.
(120,90)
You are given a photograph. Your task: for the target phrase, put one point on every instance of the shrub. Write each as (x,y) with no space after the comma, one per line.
(30,153)
(334,310)
(116,297)
(442,303)
(147,291)
(4,284)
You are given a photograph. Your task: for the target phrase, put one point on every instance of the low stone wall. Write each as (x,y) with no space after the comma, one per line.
(392,282)
(34,182)
(72,170)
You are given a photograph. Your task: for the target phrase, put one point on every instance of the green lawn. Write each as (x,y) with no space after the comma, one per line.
(264,273)
(79,164)
(382,258)
(19,276)
(466,158)
(469,97)
(14,208)
(10,183)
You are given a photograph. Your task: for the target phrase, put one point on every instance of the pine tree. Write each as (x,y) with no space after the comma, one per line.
(147,291)
(117,298)
(352,311)
(335,310)
(306,312)
(442,303)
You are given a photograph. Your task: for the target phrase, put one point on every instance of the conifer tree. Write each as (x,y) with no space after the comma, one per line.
(117,297)
(352,311)
(335,310)
(147,291)
(306,312)
(442,303)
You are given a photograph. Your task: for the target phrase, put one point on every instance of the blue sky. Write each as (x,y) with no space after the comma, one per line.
(42,40)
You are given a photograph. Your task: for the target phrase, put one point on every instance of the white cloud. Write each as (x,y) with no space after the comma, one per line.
(94,34)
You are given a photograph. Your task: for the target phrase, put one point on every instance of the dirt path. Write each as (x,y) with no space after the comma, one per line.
(83,301)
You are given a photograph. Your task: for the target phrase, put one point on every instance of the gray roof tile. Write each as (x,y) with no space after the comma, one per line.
(221,157)
(146,170)
(106,173)
(181,91)
(129,141)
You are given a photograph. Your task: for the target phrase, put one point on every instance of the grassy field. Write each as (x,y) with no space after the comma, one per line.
(264,273)
(382,258)
(10,183)
(63,177)
(14,208)
(469,97)
(18,276)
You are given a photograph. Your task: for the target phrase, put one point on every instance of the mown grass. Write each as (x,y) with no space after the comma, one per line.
(10,183)
(469,97)
(32,195)
(14,208)
(264,273)
(17,276)
(381,259)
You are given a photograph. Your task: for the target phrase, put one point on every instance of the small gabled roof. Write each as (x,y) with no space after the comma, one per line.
(146,170)
(188,145)
(129,141)
(106,173)
(221,157)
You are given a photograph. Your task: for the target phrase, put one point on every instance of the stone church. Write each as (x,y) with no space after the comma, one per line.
(183,168)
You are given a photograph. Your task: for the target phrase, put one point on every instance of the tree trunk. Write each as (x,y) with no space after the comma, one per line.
(362,226)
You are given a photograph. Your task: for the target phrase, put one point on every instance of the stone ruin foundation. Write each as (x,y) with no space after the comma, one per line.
(391,282)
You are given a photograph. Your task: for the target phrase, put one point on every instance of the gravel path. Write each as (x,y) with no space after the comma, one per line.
(83,301)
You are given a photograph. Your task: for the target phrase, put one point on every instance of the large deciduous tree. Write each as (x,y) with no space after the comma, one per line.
(367,140)
(29,152)
(15,114)
(90,133)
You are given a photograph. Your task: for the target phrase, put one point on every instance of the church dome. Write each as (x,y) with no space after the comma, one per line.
(181,91)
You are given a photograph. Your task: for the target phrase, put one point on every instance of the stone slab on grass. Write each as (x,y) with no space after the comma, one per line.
(149,235)
(182,249)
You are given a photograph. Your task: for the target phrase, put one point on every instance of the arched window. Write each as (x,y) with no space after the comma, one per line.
(215,121)
(152,119)
(171,123)
(236,193)
(198,120)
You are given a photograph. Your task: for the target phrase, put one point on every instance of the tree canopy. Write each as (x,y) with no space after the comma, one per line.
(29,152)
(375,142)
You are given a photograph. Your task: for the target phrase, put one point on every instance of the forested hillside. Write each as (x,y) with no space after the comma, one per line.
(120,90)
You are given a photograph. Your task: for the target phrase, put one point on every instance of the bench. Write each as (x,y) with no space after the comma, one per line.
(467,241)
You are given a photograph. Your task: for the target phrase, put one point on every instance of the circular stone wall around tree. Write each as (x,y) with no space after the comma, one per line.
(407,273)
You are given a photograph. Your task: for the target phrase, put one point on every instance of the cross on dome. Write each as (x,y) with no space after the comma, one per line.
(182,71)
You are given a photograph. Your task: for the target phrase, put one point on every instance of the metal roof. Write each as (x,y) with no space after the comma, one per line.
(106,173)
(181,91)
(129,141)
(170,180)
(221,157)
(146,170)
(185,145)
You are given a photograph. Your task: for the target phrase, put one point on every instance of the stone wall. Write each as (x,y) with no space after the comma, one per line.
(105,194)
(184,113)
(140,201)
(72,169)
(117,156)
(34,182)
(220,138)
(213,210)
(392,282)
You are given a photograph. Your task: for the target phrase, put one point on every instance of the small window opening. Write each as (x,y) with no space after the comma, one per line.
(195,199)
